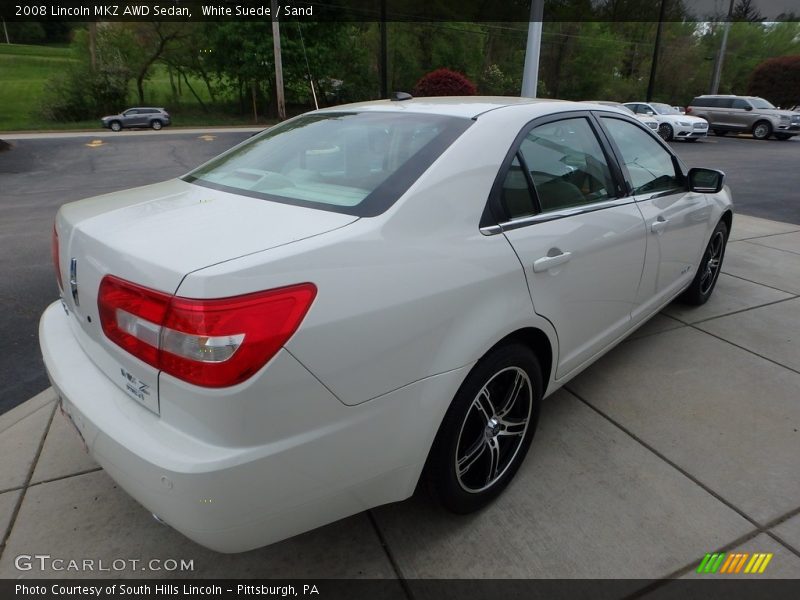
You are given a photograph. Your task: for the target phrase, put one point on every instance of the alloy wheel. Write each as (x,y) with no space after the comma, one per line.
(712,261)
(493,429)
(665,131)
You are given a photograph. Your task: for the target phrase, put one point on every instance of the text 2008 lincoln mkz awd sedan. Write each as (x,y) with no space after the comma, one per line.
(361,297)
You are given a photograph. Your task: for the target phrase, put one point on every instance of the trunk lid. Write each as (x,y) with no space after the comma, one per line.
(154,236)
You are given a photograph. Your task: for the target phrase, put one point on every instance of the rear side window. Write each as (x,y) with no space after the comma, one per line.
(650,167)
(354,163)
(566,164)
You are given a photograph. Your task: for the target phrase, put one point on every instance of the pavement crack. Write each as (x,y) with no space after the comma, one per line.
(12,521)
(742,310)
(401,578)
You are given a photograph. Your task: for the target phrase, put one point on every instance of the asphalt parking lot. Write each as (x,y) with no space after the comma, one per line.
(682,441)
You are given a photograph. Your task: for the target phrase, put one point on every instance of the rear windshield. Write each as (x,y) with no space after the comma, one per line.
(353,163)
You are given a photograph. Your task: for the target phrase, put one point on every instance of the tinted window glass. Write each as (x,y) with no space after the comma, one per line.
(649,165)
(515,195)
(356,163)
(761,103)
(701,102)
(567,164)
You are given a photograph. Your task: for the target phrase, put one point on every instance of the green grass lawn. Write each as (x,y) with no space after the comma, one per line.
(25,69)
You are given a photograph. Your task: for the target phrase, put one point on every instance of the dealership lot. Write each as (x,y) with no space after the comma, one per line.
(683,440)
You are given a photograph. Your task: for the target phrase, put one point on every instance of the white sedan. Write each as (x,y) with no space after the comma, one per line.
(672,124)
(361,298)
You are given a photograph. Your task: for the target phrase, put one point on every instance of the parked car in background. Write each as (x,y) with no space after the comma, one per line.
(745,114)
(137,117)
(671,123)
(363,298)
(646,119)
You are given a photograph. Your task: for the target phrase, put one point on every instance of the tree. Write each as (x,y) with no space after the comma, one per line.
(444,82)
(777,80)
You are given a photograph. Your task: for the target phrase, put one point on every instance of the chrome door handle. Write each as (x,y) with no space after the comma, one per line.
(550,262)
(659,225)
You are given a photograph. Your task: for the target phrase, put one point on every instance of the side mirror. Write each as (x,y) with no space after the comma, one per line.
(650,113)
(706,181)
(748,107)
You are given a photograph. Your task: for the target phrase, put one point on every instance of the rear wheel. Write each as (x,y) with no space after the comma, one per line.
(115,126)
(487,430)
(762,130)
(156,124)
(665,131)
(710,266)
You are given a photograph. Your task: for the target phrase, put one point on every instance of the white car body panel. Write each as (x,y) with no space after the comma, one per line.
(342,418)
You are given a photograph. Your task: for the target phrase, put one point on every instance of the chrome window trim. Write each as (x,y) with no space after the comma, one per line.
(544,217)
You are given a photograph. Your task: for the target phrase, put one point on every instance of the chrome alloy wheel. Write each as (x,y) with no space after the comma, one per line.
(493,429)
(712,261)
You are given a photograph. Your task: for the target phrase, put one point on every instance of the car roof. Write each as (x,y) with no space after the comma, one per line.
(456,106)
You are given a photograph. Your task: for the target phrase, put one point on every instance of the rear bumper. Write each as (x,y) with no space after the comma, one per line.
(233,499)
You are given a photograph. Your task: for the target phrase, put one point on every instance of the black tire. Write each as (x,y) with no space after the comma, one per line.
(720,132)
(710,267)
(489,448)
(782,136)
(115,126)
(762,130)
(156,124)
(665,131)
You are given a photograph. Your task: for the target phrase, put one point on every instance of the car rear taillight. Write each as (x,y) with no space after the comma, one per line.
(688,110)
(56,253)
(211,343)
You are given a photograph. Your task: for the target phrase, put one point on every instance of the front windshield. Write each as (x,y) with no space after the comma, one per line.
(354,163)
(760,103)
(664,109)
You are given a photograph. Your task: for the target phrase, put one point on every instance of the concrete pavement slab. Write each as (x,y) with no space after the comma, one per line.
(767,266)
(16,414)
(726,416)
(88,516)
(750,227)
(789,532)
(589,501)
(790,242)
(659,323)
(63,452)
(18,446)
(771,331)
(731,294)
(7,503)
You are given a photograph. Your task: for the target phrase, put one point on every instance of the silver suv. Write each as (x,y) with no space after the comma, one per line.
(745,114)
(141,116)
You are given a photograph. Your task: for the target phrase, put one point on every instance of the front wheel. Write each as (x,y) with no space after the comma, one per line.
(487,430)
(762,130)
(665,131)
(710,266)
(116,126)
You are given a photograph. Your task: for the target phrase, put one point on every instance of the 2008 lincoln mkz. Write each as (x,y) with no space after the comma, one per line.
(363,298)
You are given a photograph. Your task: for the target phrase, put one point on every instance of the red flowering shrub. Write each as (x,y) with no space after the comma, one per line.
(777,80)
(444,82)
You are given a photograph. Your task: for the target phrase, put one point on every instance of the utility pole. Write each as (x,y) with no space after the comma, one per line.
(530,72)
(5,30)
(384,60)
(93,44)
(720,58)
(652,83)
(276,47)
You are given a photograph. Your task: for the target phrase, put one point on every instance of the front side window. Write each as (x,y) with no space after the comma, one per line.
(355,163)
(567,164)
(650,167)
(741,104)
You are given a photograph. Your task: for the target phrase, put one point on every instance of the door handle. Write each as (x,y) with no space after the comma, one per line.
(550,262)
(659,225)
